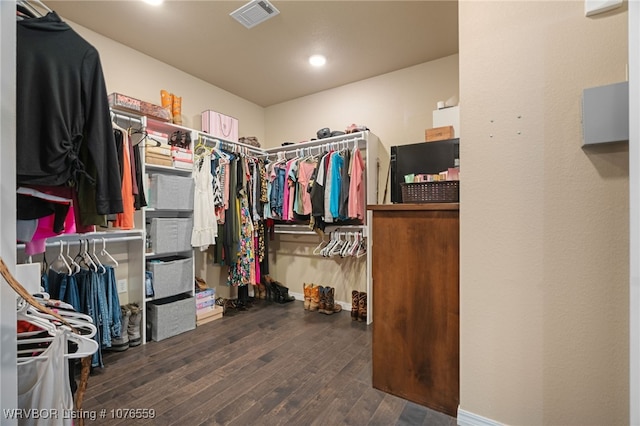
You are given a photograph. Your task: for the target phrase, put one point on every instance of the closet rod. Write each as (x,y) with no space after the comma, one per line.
(75,240)
(231,144)
(320,143)
(130,118)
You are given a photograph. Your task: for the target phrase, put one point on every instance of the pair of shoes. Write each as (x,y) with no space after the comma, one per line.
(173,104)
(358,305)
(130,319)
(327,304)
(279,293)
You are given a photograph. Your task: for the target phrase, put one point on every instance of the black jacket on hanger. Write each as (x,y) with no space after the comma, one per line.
(63,114)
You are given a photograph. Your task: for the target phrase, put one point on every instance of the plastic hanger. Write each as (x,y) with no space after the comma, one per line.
(86,346)
(86,258)
(104,252)
(75,265)
(94,257)
(62,260)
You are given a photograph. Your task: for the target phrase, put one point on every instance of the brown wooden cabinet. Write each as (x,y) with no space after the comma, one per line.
(415,270)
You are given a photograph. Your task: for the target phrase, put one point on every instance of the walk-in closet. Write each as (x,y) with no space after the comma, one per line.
(270,212)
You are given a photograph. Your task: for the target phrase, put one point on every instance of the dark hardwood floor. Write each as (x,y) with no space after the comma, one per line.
(269,365)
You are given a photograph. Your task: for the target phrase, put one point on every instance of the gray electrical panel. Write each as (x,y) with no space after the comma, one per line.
(605,113)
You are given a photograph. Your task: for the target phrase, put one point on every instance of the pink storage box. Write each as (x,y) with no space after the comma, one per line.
(220,126)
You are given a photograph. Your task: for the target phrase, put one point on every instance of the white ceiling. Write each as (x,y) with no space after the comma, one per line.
(268,64)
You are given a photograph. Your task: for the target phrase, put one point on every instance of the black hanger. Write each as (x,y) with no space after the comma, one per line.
(145,137)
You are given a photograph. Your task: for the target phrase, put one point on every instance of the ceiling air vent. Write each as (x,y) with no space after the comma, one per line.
(254,12)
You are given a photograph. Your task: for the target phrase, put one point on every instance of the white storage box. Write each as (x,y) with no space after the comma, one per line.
(168,192)
(170,235)
(170,317)
(220,126)
(171,276)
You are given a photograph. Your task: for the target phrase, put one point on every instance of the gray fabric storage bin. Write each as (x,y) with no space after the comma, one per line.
(170,235)
(169,192)
(171,316)
(171,276)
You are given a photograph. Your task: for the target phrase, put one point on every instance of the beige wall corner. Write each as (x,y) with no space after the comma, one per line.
(544,223)
(137,75)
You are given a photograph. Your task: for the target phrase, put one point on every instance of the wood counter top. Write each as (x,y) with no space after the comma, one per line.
(420,206)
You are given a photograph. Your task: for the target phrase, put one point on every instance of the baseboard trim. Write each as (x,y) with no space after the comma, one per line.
(466,418)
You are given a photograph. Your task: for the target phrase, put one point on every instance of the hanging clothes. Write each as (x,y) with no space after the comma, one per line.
(205,227)
(63,125)
(43,384)
(125,219)
(356,202)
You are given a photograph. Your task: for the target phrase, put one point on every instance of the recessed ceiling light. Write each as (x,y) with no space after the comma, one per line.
(154,2)
(317,60)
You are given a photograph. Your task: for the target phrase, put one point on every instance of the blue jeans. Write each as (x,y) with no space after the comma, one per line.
(113,301)
(65,288)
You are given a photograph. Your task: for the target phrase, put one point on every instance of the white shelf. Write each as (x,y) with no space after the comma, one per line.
(166,169)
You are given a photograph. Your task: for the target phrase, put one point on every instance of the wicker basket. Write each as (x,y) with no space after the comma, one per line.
(431,192)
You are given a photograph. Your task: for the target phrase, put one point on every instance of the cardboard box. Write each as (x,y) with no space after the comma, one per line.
(212,314)
(220,126)
(160,160)
(438,134)
(127,103)
(206,293)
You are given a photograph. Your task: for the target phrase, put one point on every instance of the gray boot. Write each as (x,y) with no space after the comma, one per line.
(119,344)
(133,329)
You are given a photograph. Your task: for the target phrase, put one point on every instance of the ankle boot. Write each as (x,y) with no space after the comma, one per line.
(177,109)
(307,295)
(355,298)
(315,298)
(120,344)
(133,329)
(330,305)
(362,306)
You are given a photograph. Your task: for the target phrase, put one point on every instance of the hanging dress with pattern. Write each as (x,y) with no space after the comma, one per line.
(205,226)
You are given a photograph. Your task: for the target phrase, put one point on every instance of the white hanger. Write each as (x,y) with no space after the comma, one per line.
(86,346)
(94,256)
(325,251)
(87,257)
(63,260)
(104,252)
(318,249)
(362,248)
(337,248)
(76,266)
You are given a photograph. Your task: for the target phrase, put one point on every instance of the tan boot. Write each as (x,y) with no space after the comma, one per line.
(355,298)
(315,298)
(176,109)
(307,295)
(362,306)
(166,100)
(330,305)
